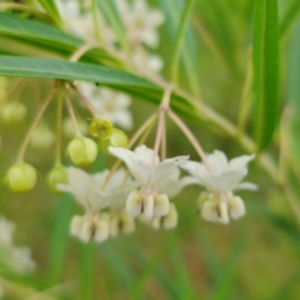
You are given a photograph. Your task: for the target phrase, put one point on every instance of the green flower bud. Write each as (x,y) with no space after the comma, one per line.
(57,175)
(42,137)
(13,112)
(83,151)
(21,177)
(118,139)
(101,128)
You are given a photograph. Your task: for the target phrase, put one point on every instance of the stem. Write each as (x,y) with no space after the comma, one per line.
(85,101)
(83,50)
(72,115)
(179,39)
(36,120)
(160,129)
(164,143)
(58,125)
(186,131)
(245,103)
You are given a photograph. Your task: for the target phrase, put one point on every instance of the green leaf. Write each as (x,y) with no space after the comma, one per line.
(290,16)
(111,14)
(59,69)
(266,70)
(60,238)
(189,53)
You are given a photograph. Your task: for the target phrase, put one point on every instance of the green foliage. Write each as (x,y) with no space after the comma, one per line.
(266,70)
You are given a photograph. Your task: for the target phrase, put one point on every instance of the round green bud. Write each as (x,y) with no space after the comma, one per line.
(57,175)
(83,151)
(13,112)
(42,137)
(21,177)
(118,139)
(101,128)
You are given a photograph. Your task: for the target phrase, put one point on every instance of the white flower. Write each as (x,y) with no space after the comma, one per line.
(121,222)
(220,179)
(79,20)
(148,61)
(86,188)
(21,259)
(167,222)
(7,229)
(109,104)
(147,169)
(141,23)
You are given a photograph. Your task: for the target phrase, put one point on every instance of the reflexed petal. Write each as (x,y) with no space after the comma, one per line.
(123,154)
(99,178)
(218,161)
(246,186)
(194,168)
(241,162)
(146,154)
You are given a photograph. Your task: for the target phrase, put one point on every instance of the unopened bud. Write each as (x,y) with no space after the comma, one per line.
(21,177)
(134,203)
(42,137)
(161,205)
(118,139)
(13,112)
(57,175)
(83,151)
(101,128)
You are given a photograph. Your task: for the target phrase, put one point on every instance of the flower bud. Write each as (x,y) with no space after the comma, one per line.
(76,225)
(148,207)
(69,129)
(134,203)
(101,128)
(236,207)
(13,112)
(57,175)
(118,139)
(161,205)
(21,177)
(42,137)
(83,151)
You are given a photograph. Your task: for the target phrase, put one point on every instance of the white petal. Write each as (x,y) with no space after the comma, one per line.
(101,231)
(218,161)
(123,154)
(148,207)
(194,168)
(236,207)
(142,171)
(246,186)
(124,119)
(79,180)
(76,225)
(241,162)
(146,154)
(161,205)
(134,203)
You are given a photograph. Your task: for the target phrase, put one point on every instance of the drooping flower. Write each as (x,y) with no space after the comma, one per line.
(109,104)
(141,22)
(147,169)
(220,179)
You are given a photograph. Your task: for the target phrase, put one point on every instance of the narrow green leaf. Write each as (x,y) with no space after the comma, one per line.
(59,69)
(112,16)
(50,7)
(189,53)
(60,237)
(179,38)
(266,70)
(290,16)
